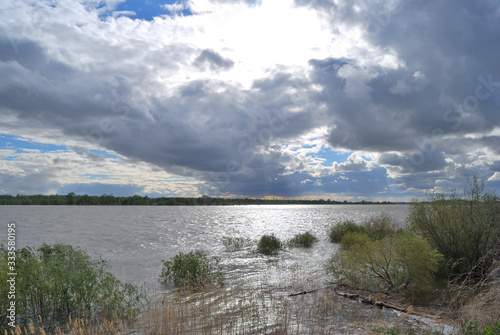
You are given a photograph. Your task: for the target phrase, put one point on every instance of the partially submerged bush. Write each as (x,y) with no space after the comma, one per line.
(192,269)
(55,282)
(338,231)
(305,240)
(269,245)
(406,262)
(466,229)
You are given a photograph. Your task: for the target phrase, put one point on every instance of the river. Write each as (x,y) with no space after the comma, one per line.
(134,240)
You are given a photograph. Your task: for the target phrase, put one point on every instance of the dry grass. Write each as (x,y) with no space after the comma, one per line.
(240,309)
(479,303)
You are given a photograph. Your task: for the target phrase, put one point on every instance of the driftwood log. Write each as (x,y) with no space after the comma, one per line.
(377,303)
(369,300)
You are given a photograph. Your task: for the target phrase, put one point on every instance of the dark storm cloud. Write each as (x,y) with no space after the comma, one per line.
(495,166)
(31,56)
(213,60)
(448,87)
(217,133)
(416,161)
(368,183)
(207,129)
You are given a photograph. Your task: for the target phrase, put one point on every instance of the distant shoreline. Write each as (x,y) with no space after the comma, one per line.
(72,199)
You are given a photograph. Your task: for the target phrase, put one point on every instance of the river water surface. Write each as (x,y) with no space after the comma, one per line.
(134,239)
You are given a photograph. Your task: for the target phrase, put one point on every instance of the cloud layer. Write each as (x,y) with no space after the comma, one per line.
(248,98)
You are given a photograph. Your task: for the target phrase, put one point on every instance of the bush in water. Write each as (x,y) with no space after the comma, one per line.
(192,269)
(305,240)
(269,245)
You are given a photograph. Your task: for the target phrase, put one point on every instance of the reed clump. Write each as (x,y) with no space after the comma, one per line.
(304,240)
(194,268)
(269,245)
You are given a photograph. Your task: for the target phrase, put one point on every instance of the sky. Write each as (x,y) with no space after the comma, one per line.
(332,99)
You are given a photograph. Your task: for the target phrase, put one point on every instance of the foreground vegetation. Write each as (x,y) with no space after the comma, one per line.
(57,282)
(455,239)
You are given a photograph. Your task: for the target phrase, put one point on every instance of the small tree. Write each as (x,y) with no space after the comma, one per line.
(406,262)
(465,229)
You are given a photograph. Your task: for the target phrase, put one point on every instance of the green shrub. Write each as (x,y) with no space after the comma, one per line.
(338,231)
(471,328)
(269,245)
(465,229)
(492,329)
(305,240)
(57,281)
(380,226)
(395,263)
(192,269)
(351,239)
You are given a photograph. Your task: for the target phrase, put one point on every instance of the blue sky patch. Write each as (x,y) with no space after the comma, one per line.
(14,142)
(147,10)
(333,156)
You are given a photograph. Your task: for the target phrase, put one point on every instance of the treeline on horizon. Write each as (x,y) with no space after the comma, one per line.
(137,200)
